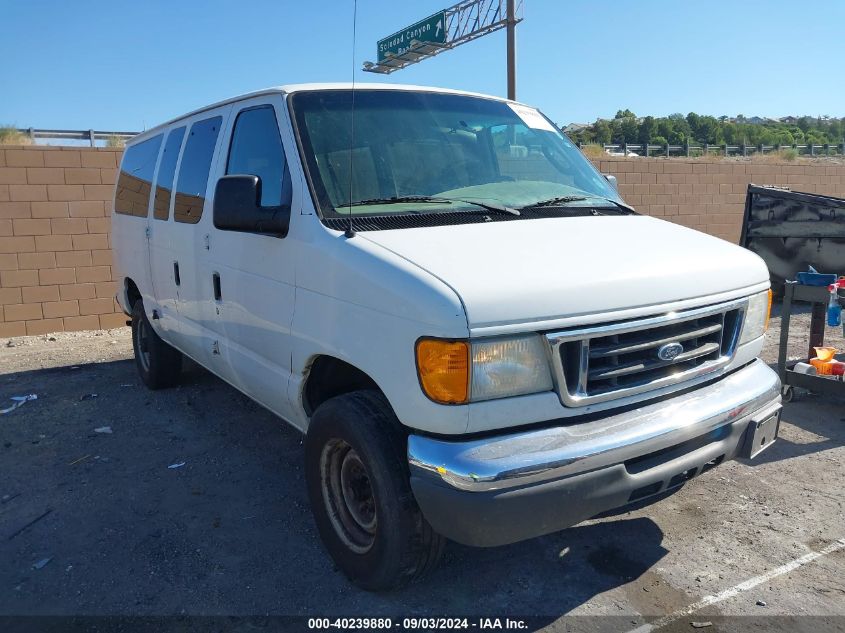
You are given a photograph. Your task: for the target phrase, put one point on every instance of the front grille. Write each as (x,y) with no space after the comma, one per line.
(609,361)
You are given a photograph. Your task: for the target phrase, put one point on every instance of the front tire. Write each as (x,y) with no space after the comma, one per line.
(159,364)
(360,493)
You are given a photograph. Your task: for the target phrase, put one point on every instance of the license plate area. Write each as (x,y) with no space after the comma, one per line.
(762,434)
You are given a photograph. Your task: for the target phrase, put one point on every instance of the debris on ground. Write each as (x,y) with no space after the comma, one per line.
(30,524)
(19,402)
(103,429)
(178,465)
(701,625)
(40,564)
(761,603)
(87,396)
(81,459)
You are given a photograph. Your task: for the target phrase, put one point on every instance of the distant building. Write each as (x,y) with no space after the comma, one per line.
(789,120)
(572,128)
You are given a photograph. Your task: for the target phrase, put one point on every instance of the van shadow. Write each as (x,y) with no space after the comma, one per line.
(812,423)
(546,577)
(228,529)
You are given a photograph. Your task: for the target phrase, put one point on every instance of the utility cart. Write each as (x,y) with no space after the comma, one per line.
(818,297)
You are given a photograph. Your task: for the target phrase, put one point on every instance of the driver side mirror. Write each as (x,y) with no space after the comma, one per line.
(237,207)
(612,180)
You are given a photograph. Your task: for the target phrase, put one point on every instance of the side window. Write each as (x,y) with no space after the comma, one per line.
(256,150)
(134,183)
(166,172)
(193,171)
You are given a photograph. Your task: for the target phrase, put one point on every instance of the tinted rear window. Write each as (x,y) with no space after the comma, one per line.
(166,171)
(134,183)
(193,171)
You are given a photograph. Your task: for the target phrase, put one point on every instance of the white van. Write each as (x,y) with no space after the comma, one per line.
(479,339)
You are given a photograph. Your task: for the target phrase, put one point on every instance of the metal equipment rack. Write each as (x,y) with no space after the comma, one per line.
(818,296)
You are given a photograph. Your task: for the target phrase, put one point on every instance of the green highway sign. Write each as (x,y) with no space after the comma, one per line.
(432,29)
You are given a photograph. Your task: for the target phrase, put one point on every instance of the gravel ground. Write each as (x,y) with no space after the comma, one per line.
(230,533)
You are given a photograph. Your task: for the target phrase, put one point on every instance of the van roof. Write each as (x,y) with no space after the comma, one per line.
(292,88)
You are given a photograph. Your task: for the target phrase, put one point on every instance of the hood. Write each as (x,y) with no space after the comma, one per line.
(534,270)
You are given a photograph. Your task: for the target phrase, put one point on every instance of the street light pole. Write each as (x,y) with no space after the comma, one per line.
(511,28)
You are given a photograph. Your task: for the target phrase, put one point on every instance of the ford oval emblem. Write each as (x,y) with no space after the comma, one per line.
(669,351)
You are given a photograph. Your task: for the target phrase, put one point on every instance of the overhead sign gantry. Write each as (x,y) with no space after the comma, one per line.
(432,30)
(447,29)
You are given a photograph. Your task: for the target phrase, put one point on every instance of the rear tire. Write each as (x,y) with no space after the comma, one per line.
(159,364)
(359,487)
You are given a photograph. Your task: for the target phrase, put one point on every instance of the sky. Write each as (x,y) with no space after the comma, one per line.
(122,65)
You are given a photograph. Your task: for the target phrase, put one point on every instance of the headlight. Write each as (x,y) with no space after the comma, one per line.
(455,372)
(756,316)
(509,367)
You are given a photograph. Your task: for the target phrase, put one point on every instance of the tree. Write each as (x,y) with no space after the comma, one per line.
(629,129)
(647,130)
(697,129)
(602,132)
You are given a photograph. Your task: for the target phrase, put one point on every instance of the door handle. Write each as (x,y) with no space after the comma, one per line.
(215,280)
(176,277)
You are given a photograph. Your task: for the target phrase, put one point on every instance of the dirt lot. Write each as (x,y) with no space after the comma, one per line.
(230,533)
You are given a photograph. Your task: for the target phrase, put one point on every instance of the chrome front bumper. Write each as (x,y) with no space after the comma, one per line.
(507,488)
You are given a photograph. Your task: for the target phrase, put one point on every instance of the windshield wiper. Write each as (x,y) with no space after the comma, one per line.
(395,200)
(497,208)
(553,202)
(564,200)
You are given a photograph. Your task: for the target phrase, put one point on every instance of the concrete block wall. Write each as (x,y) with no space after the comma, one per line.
(55,248)
(56,203)
(710,195)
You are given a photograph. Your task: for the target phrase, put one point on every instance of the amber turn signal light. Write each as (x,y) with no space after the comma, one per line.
(768,312)
(443,368)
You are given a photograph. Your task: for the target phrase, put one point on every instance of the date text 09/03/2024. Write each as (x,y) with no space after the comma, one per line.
(417,623)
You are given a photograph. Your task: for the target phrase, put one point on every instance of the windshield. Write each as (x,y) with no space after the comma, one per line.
(455,148)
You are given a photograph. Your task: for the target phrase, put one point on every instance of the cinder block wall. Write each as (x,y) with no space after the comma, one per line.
(55,206)
(710,195)
(55,249)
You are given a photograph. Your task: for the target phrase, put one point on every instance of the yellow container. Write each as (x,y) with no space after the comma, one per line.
(823,367)
(825,353)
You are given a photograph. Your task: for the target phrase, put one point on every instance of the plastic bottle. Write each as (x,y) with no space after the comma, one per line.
(834,310)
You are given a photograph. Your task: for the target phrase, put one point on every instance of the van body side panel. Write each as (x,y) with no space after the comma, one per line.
(130,256)
(188,240)
(368,307)
(129,221)
(252,318)
(162,250)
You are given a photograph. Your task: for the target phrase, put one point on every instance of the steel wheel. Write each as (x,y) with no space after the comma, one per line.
(159,364)
(348,495)
(360,492)
(142,344)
